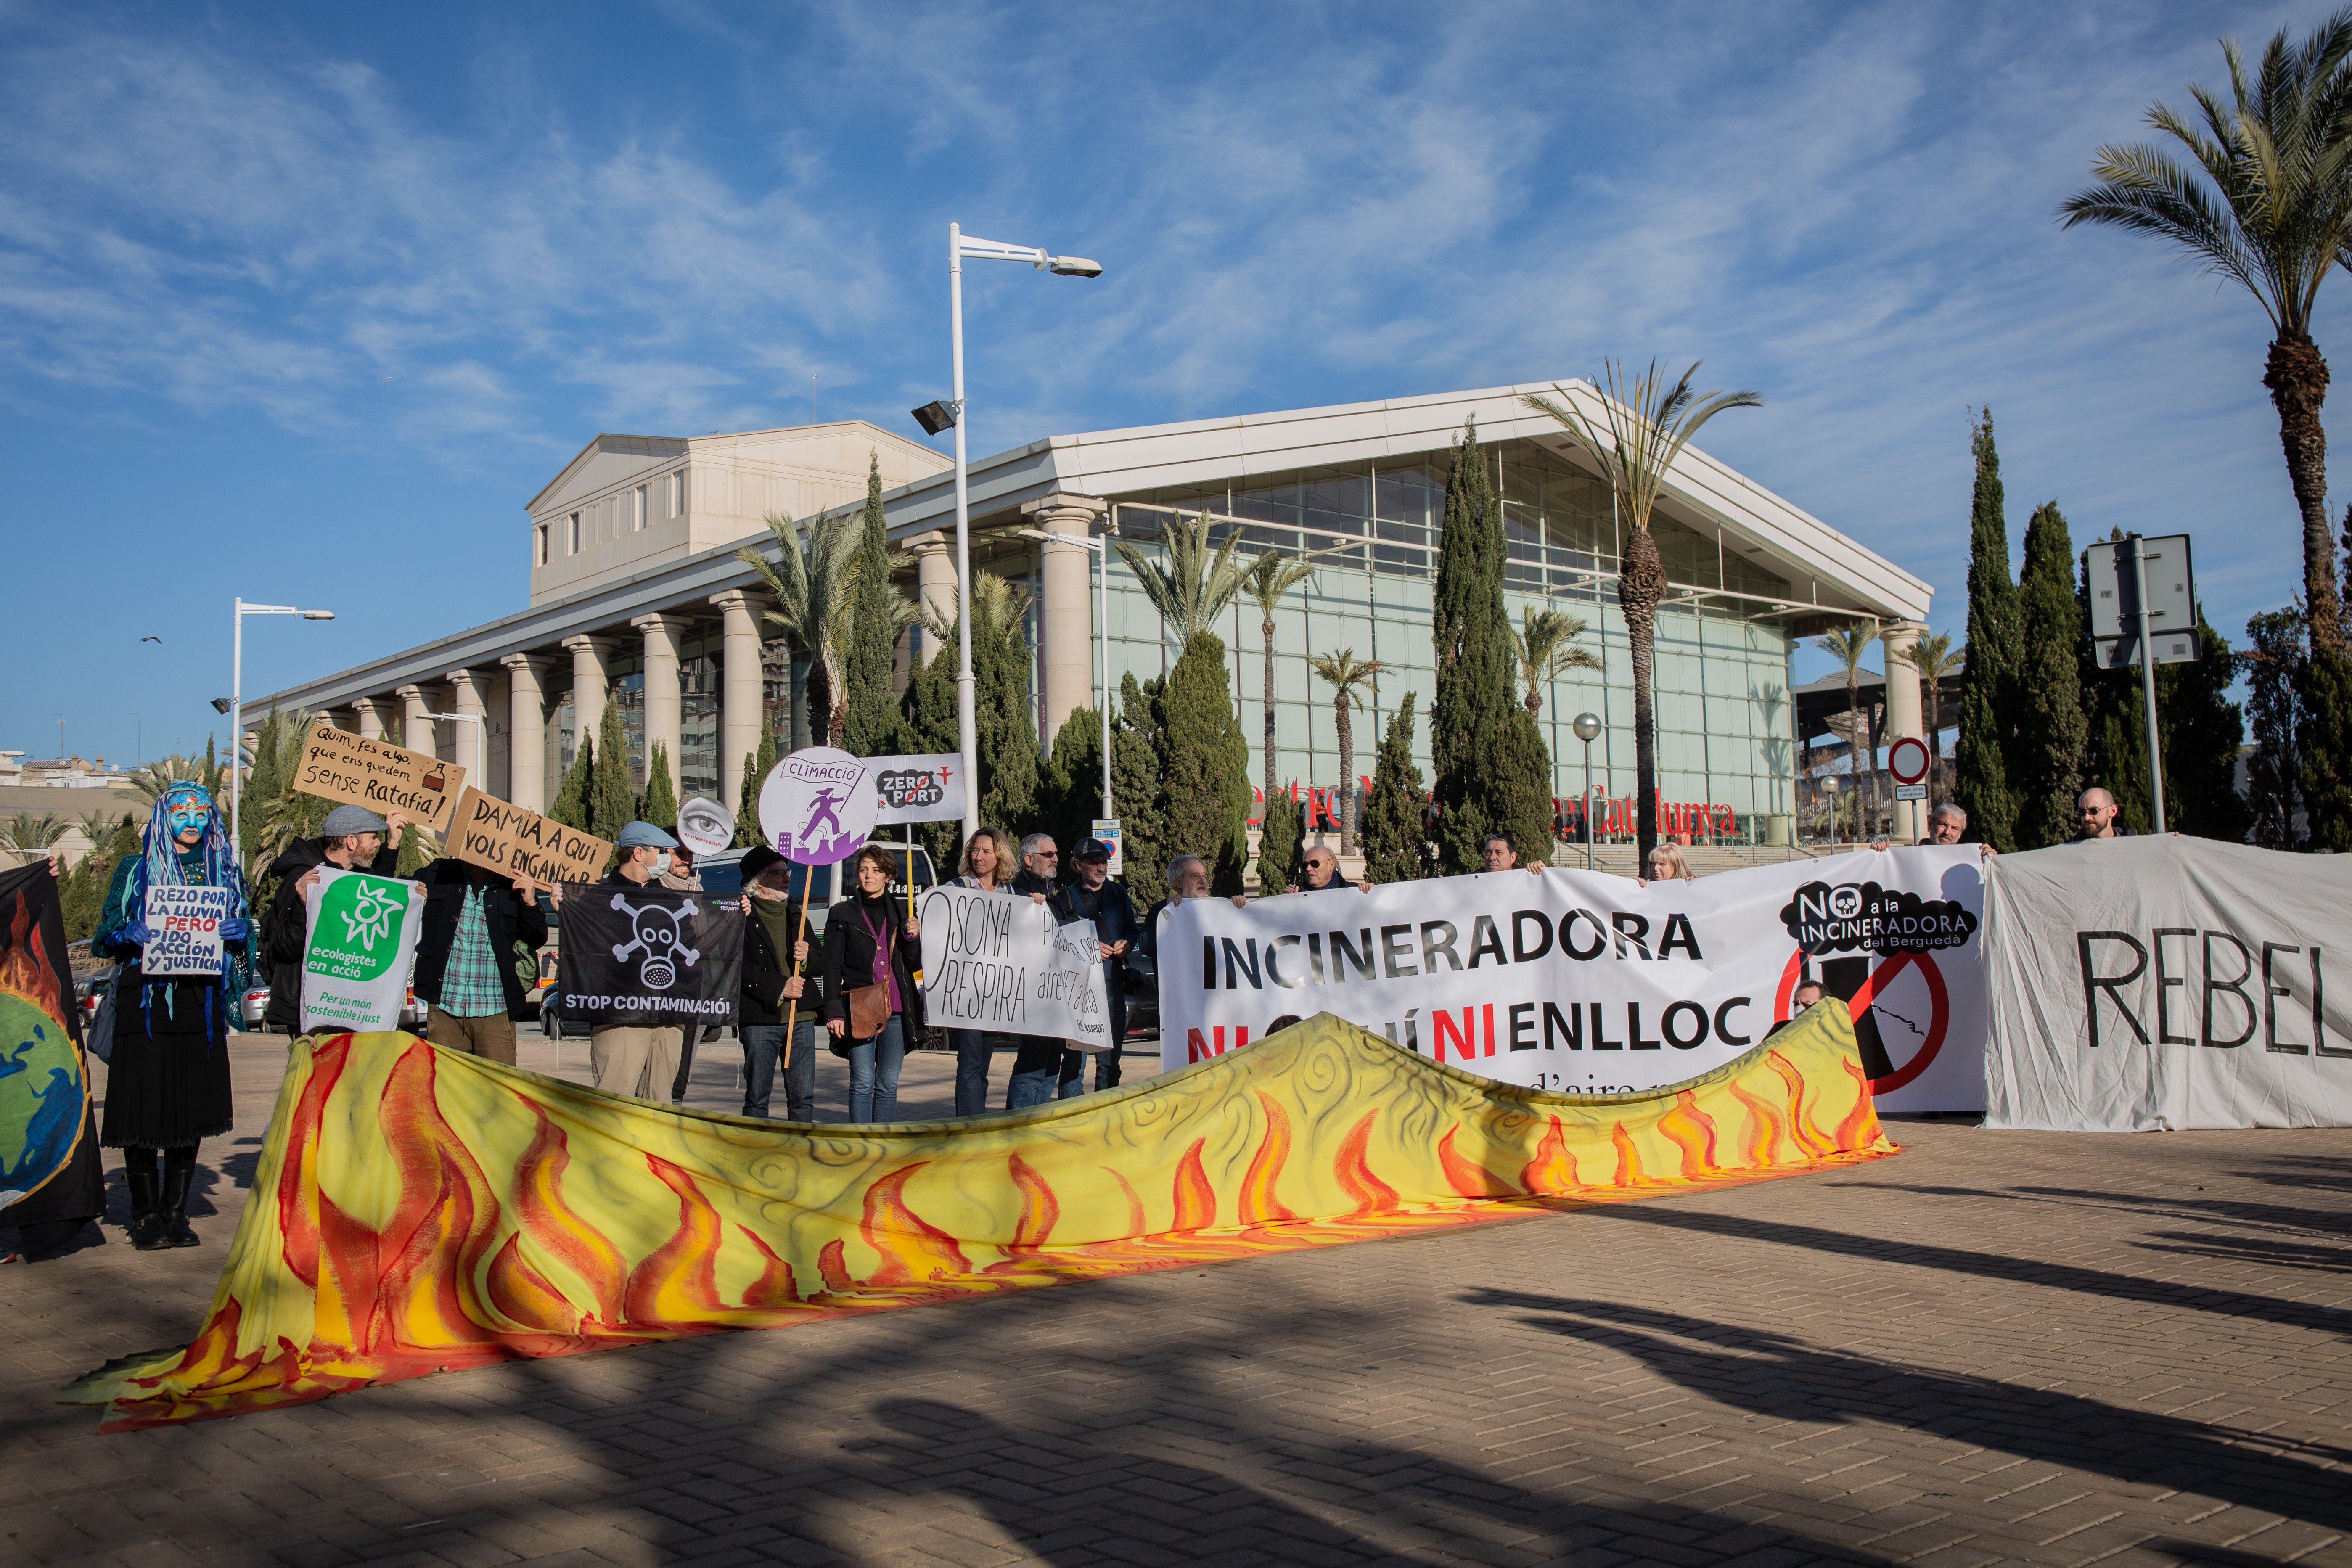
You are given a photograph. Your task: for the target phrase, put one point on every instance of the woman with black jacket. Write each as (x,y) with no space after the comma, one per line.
(869,941)
(772,986)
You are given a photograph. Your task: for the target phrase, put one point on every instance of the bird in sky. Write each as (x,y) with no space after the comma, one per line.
(157,641)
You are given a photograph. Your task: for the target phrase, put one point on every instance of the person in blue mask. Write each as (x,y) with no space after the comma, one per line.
(167,1087)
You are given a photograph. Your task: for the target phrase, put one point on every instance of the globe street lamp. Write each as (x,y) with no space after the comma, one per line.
(237,710)
(936,417)
(1587,726)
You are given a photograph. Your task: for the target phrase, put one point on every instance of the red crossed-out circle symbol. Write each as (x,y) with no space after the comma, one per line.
(1939,1004)
(1907,759)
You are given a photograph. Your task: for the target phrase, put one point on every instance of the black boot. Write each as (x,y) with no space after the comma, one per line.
(178,1175)
(139,1172)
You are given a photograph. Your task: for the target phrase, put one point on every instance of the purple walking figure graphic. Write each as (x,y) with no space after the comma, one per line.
(827,809)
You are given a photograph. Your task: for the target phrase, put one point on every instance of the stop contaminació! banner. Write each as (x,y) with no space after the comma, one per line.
(1585,982)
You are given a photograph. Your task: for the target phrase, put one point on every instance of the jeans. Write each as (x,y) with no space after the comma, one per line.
(762,1043)
(874,1074)
(1045,1070)
(972,1049)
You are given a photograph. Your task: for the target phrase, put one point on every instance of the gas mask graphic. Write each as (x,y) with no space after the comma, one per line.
(657,937)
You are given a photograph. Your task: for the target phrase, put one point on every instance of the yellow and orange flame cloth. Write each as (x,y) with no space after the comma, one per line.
(418,1210)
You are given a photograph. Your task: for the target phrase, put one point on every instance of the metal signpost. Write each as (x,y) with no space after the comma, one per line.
(2144,601)
(1907,759)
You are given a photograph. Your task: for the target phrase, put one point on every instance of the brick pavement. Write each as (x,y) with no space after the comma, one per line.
(2042,1347)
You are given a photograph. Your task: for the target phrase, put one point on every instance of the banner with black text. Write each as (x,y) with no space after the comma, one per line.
(1000,963)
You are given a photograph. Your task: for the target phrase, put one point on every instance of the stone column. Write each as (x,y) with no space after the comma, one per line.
(589,684)
(1065,618)
(935,583)
(1903,717)
(742,690)
(367,717)
(526,726)
(663,716)
(473,750)
(416,729)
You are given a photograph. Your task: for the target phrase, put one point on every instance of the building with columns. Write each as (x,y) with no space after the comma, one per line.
(637,597)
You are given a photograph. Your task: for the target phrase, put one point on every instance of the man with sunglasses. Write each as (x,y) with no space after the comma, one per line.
(1323,872)
(1043,1068)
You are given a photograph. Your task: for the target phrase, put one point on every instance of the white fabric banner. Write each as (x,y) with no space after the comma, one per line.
(1000,963)
(1588,983)
(362,943)
(2141,984)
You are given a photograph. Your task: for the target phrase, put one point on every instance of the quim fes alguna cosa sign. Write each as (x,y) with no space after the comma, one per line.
(1584,983)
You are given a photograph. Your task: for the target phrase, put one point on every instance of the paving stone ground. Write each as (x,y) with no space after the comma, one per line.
(1996,1347)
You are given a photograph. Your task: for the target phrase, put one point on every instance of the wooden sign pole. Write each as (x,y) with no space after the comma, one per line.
(793,1014)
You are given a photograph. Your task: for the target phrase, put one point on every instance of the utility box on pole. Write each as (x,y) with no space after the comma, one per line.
(2144,598)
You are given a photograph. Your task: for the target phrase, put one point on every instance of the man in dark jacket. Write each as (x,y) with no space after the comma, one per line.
(356,839)
(1095,897)
(466,955)
(776,989)
(1043,1068)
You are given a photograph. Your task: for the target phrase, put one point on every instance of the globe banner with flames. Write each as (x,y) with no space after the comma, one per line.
(418,1210)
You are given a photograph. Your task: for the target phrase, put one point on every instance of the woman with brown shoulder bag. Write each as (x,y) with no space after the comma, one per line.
(871,1002)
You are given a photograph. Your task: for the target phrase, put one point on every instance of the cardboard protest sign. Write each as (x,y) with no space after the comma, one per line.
(184,930)
(491,833)
(918,789)
(705,827)
(1587,984)
(818,806)
(339,765)
(999,962)
(361,943)
(645,956)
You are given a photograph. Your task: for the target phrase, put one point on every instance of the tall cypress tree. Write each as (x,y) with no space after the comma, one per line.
(2051,728)
(658,805)
(2274,665)
(756,769)
(873,727)
(571,807)
(1980,758)
(1280,840)
(1396,836)
(927,716)
(2325,741)
(1207,764)
(610,798)
(1004,720)
(1477,676)
(1139,781)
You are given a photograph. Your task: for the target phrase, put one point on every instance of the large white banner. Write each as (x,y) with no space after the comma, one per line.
(1002,962)
(2141,984)
(361,943)
(1588,983)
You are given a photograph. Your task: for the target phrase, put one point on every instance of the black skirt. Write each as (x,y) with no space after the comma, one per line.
(168,1084)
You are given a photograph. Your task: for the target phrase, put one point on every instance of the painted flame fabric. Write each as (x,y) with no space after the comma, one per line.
(418,1210)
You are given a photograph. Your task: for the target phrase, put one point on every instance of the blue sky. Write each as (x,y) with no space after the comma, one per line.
(304,303)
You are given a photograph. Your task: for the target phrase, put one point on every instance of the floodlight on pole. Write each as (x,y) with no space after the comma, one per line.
(235,709)
(960,245)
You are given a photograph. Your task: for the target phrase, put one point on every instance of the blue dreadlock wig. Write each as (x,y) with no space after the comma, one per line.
(160,864)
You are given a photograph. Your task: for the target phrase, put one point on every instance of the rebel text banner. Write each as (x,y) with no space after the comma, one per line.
(506,838)
(339,765)
(1000,963)
(1588,983)
(2141,984)
(417,1210)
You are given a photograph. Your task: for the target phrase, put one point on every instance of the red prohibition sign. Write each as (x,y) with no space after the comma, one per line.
(1907,759)
(1939,1002)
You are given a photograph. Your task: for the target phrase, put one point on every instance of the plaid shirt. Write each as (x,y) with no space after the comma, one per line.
(472,986)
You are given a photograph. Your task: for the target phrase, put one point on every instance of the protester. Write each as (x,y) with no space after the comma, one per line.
(1500,857)
(869,980)
(354,839)
(770,986)
(1323,872)
(682,878)
(466,957)
(633,1058)
(167,1084)
(987,862)
(1666,864)
(1281,1024)
(2098,809)
(1043,1066)
(1808,991)
(1948,824)
(1095,897)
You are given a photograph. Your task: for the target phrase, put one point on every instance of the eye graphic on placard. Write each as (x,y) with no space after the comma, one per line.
(705,827)
(658,934)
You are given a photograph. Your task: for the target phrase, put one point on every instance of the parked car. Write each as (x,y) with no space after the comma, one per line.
(256,1008)
(90,992)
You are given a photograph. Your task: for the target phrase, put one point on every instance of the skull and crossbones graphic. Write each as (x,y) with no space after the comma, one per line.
(658,935)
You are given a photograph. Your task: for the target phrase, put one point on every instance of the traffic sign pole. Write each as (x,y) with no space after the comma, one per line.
(2147,681)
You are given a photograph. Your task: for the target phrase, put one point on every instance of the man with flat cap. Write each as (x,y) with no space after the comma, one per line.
(630,1059)
(354,839)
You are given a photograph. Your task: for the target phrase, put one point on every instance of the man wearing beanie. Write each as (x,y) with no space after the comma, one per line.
(355,839)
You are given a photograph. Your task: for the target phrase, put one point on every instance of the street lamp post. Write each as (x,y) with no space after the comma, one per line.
(959,247)
(237,710)
(1587,726)
(1101,549)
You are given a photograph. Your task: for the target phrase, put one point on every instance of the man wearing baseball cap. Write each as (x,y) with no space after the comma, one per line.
(629,1058)
(1095,897)
(355,839)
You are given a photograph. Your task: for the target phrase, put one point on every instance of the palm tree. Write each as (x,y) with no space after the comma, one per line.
(1344,672)
(1545,645)
(1934,659)
(29,836)
(813,580)
(1847,645)
(2265,199)
(1647,424)
(1268,579)
(151,779)
(1192,583)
